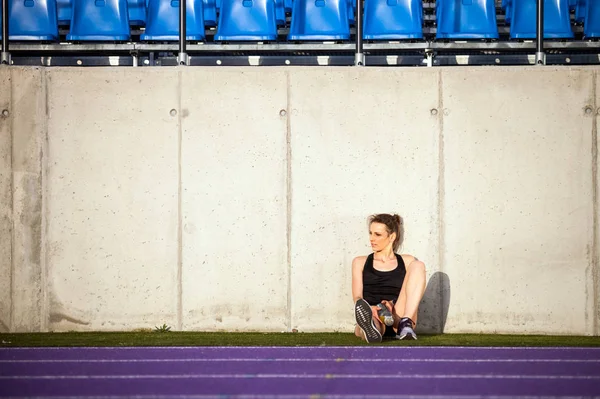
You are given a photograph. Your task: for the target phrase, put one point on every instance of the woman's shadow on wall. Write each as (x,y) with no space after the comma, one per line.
(433,310)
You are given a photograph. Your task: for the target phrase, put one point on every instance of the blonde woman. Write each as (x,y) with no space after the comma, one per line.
(385,277)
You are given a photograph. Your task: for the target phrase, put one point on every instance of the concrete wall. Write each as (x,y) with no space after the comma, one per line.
(357,151)
(23,129)
(519,201)
(233,200)
(236,198)
(593,289)
(5,203)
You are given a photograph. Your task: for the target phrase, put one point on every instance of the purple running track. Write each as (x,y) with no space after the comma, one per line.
(300,371)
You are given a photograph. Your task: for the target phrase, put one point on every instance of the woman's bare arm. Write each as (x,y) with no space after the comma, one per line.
(358,265)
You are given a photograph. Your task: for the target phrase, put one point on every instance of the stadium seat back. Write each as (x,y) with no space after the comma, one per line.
(137,12)
(32,20)
(163,21)
(320,20)
(99,20)
(393,19)
(466,19)
(247,20)
(557,22)
(591,20)
(65,12)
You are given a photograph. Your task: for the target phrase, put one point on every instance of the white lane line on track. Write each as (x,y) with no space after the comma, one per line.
(317,396)
(338,360)
(325,348)
(303,376)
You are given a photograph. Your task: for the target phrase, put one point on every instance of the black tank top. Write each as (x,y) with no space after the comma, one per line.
(378,285)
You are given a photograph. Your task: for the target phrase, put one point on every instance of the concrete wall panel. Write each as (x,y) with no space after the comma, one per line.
(518,199)
(234,204)
(594,296)
(364,141)
(5,200)
(112,203)
(28,135)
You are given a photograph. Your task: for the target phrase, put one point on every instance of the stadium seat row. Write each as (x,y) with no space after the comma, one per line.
(311,20)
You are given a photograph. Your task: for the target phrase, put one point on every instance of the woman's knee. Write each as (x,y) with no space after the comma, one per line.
(416,266)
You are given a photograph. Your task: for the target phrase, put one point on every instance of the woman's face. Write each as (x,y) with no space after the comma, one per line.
(379,237)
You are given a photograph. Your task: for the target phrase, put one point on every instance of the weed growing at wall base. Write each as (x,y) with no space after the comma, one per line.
(162,329)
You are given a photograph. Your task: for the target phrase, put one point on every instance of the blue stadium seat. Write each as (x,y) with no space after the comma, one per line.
(137,12)
(99,20)
(579,6)
(32,20)
(557,22)
(210,12)
(65,12)
(320,20)
(163,21)
(588,12)
(280,12)
(466,19)
(506,6)
(247,20)
(393,19)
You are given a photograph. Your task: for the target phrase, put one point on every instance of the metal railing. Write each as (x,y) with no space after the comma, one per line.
(359,55)
(182,58)
(4,54)
(540,55)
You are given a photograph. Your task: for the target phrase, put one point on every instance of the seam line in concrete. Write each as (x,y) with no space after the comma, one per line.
(289,200)
(45,316)
(179,211)
(594,261)
(441,193)
(11,109)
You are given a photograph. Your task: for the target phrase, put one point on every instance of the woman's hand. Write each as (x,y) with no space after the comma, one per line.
(389,305)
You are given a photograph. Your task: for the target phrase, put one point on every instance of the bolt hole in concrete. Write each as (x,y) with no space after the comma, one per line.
(588,110)
(283,112)
(434,111)
(173,112)
(5,113)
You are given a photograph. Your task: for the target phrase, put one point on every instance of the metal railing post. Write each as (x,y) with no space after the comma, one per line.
(182,58)
(540,55)
(359,57)
(4,54)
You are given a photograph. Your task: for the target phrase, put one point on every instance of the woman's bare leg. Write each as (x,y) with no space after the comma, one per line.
(411,293)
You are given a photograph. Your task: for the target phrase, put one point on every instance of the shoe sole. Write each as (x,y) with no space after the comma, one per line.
(364,319)
(407,336)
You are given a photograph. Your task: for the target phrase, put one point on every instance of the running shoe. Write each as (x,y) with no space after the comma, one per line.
(364,319)
(405,329)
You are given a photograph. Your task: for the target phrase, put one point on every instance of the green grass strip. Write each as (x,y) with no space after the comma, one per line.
(171,338)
